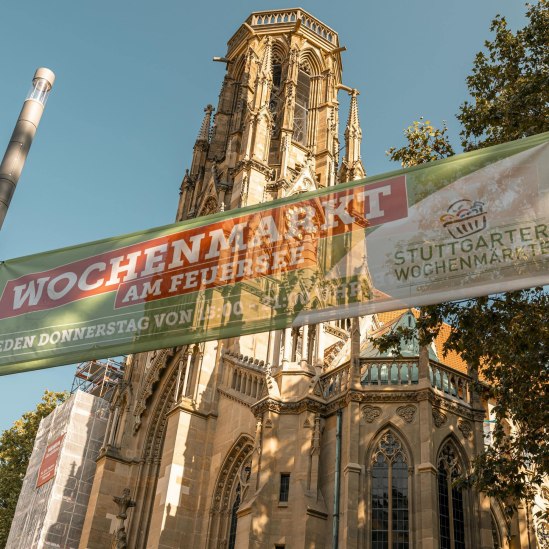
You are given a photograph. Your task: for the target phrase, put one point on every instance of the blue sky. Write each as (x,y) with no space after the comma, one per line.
(133,78)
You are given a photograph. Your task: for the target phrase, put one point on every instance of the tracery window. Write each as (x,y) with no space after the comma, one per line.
(242,486)
(301,109)
(231,489)
(390,527)
(276,102)
(450,500)
(495,534)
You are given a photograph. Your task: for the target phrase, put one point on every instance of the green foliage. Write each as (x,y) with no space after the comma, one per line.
(16,446)
(505,337)
(425,144)
(509,84)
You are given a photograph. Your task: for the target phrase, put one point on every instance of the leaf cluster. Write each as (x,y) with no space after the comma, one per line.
(509,84)
(425,143)
(504,339)
(16,446)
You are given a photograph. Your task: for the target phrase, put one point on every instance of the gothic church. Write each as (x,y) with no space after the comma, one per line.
(297,438)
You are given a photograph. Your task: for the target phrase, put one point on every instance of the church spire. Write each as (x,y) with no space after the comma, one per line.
(202,143)
(352,167)
(204,133)
(353,124)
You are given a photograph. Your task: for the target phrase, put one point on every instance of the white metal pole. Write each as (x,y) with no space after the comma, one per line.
(23,134)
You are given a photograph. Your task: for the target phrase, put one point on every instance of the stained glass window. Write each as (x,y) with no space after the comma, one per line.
(389,495)
(450,500)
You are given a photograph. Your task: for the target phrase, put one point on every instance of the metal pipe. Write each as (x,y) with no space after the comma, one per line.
(22,136)
(335,523)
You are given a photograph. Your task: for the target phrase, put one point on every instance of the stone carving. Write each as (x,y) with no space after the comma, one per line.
(439,418)
(449,460)
(124,502)
(155,436)
(152,375)
(407,413)
(539,512)
(121,539)
(370,413)
(389,448)
(233,480)
(315,445)
(466,428)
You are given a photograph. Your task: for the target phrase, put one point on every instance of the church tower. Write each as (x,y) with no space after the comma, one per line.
(275,130)
(289,438)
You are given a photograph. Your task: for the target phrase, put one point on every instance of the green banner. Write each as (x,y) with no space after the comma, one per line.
(470,225)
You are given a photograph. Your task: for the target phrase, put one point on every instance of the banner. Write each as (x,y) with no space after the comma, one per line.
(470,225)
(49,461)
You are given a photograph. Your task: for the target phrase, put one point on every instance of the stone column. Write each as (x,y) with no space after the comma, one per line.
(484,527)
(304,347)
(351,485)
(319,347)
(178,488)
(287,354)
(426,516)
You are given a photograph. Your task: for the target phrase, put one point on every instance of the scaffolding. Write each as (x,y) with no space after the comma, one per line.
(99,377)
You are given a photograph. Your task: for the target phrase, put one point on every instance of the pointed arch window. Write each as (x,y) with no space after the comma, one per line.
(234,518)
(243,481)
(231,489)
(390,521)
(450,499)
(495,534)
(276,101)
(301,109)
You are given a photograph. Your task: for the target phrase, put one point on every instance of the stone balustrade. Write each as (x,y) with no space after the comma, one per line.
(336,382)
(395,372)
(244,374)
(277,17)
(376,374)
(247,383)
(449,382)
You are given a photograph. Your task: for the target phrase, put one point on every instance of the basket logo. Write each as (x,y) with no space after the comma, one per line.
(464,217)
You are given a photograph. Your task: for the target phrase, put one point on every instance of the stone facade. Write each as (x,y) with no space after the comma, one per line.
(286,439)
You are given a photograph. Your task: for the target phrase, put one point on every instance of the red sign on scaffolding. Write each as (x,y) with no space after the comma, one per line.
(49,462)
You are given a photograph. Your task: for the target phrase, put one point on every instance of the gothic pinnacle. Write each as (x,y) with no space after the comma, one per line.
(266,62)
(204,133)
(352,167)
(353,123)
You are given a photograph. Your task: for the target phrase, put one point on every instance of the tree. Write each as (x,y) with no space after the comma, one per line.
(425,144)
(16,446)
(509,84)
(505,338)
